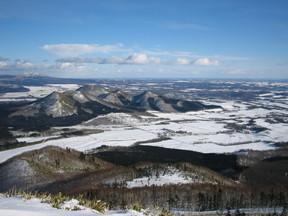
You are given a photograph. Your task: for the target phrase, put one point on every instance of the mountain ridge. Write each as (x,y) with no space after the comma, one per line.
(88,101)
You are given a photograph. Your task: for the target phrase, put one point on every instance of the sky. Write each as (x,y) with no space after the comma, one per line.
(145,38)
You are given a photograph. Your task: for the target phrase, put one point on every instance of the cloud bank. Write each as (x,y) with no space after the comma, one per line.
(74,53)
(69,50)
(89,59)
(142,59)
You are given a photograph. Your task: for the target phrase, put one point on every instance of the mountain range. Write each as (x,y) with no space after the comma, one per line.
(72,107)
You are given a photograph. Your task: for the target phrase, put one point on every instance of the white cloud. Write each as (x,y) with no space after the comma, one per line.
(74,53)
(3,64)
(18,64)
(136,58)
(183,61)
(203,61)
(139,65)
(70,50)
(141,58)
(22,64)
(206,62)
(66,65)
(70,67)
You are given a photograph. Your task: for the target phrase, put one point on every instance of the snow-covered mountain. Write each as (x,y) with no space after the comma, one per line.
(152,101)
(56,105)
(92,100)
(117,97)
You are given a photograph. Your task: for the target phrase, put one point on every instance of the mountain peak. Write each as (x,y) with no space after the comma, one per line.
(93,89)
(145,95)
(53,96)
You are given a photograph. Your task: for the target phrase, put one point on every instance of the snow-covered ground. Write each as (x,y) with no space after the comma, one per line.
(241,124)
(207,131)
(113,137)
(168,176)
(36,92)
(16,206)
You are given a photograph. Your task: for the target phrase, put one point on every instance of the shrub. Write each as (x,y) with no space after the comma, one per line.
(45,197)
(165,213)
(97,205)
(137,207)
(27,195)
(57,200)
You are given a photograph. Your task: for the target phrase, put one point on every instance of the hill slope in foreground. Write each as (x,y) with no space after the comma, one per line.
(151,176)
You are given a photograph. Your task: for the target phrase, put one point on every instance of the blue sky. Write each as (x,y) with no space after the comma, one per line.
(149,39)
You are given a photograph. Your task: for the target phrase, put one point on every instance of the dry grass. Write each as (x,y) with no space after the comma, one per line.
(56,200)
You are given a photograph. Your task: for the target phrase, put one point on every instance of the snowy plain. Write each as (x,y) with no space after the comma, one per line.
(240,125)
(36,92)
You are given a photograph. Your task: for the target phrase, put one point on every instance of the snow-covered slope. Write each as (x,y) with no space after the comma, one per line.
(93,91)
(16,206)
(37,168)
(168,176)
(56,105)
(152,101)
